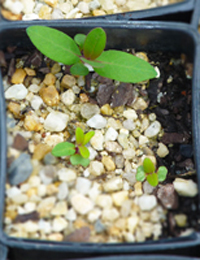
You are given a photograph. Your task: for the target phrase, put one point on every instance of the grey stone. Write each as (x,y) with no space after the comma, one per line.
(20,169)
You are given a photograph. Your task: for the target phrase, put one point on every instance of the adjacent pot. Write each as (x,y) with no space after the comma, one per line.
(174,12)
(151,36)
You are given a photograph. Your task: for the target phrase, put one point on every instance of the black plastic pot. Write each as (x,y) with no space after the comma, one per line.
(143,36)
(3,253)
(174,12)
(141,257)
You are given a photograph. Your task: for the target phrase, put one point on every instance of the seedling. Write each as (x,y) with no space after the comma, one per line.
(147,171)
(88,49)
(79,153)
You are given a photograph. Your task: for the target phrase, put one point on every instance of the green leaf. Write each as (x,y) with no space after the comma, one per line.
(79,69)
(93,63)
(88,136)
(63,149)
(84,151)
(152,179)
(124,67)
(77,159)
(162,173)
(79,136)
(80,39)
(54,44)
(94,44)
(148,165)
(140,175)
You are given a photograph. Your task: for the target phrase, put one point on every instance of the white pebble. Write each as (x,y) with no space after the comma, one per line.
(61,120)
(36,102)
(17,91)
(84,7)
(63,191)
(97,122)
(59,209)
(68,97)
(186,188)
(15,7)
(97,140)
(113,184)
(31,227)
(110,214)
(66,174)
(94,215)
(147,202)
(111,134)
(59,224)
(132,223)
(162,150)
(94,4)
(71,215)
(83,185)
(44,226)
(153,129)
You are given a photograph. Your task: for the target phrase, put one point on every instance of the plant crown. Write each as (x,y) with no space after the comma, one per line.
(88,49)
(79,153)
(147,171)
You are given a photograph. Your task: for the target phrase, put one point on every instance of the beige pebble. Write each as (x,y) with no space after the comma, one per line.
(30,72)
(32,122)
(140,104)
(108,163)
(14,108)
(49,79)
(67,175)
(96,168)
(45,12)
(59,209)
(113,184)
(56,68)
(132,223)
(162,150)
(104,201)
(181,220)
(110,214)
(138,188)
(45,206)
(52,3)
(106,110)
(40,151)
(119,197)
(55,237)
(18,76)
(68,81)
(81,204)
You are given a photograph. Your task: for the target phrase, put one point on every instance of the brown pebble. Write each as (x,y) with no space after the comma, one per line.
(168,196)
(79,235)
(20,143)
(21,218)
(10,16)
(49,79)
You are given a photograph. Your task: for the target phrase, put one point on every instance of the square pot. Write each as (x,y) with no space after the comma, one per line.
(143,36)
(174,12)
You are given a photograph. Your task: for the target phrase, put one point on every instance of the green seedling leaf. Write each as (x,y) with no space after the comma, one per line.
(63,149)
(80,39)
(79,136)
(148,165)
(94,44)
(140,175)
(77,159)
(84,151)
(87,137)
(124,67)
(54,44)
(79,69)
(93,63)
(162,173)
(152,179)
